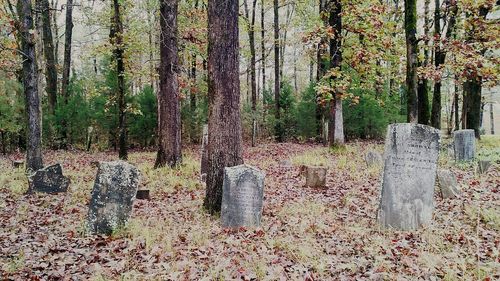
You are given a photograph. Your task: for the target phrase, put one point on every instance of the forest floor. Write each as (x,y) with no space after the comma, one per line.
(306,234)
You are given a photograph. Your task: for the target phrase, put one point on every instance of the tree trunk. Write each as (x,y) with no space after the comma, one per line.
(472,93)
(492,119)
(336,120)
(50,60)
(277,87)
(224,123)
(411,60)
(253,80)
(4,145)
(322,65)
(263,46)
(439,58)
(67,64)
(116,36)
(169,114)
(30,83)
(423,83)
(457,119)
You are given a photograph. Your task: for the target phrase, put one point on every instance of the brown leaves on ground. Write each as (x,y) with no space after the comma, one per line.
(306,234)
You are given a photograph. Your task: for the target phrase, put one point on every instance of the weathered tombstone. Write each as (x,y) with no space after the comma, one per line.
(315,176)
(464,145)
(448,184)
(49,180)
(114,191)
(242,196)
(411,154)
(204,153)
(483,166)
(373,158)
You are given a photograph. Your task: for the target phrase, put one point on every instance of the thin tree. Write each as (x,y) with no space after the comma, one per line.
(277,87)
(224,123)
(30,83)
(250,17)
(263,47)
(67,63)
(169,114)
(49,53)
(423,82)
(411,60)
(440,56)
(116,37)
(336,120)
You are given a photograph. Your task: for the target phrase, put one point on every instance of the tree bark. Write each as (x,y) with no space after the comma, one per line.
(224,123)
(336,120)
(67,64)
(411,60)
(472,93)
(50,60)
(169,114)
(116,37)
(30,83)
(322,65)
(277,82)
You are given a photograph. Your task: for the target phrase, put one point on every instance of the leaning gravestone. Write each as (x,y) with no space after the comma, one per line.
(411,154)
(114,191)
(49,180)
(242,195)
(204,153)
(448,184)
(464,145)
(374,158)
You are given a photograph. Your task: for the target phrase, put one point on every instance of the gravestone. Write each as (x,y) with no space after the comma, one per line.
(315,176)
(114,191)
(483,166)
(411,154)
(48,180)
(448,184)
(242,196)
(464,145)
(373,158)
(204,153)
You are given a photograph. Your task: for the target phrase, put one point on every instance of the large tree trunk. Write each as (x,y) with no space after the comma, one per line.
(336,120)
(224,123)
(277,87)
(50,60)
(472,93)
(67,64)
(472,87)
(169,114)
(116,36)
(423,83)
(411,60)
(30,83)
